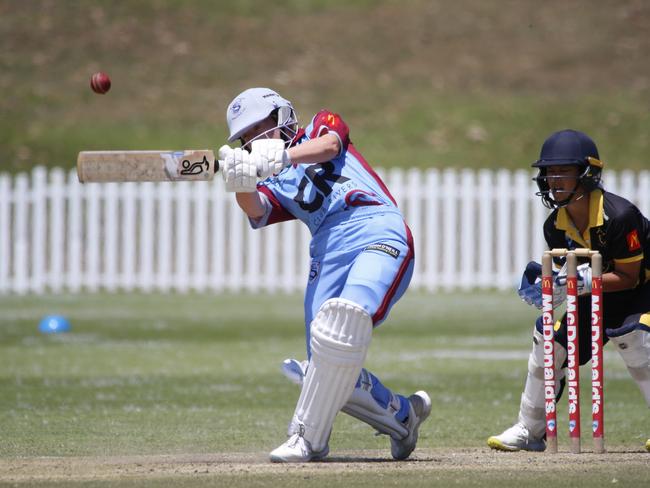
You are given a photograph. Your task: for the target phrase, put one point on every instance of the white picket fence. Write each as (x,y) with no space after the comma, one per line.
(472,229)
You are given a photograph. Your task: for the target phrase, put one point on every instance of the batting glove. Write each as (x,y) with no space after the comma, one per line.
(269,156)
(238,173)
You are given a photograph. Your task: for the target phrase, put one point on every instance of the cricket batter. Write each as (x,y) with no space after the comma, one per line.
(585,216)
(361,262)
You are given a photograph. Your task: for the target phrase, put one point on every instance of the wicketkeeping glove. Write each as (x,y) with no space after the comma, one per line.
(269,156)
(238,173)
(530,289)
(583,275)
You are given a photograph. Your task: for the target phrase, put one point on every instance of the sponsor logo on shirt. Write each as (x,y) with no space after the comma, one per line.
(633,243)
(314,270)
(385,248)
(360,198)
(600,236)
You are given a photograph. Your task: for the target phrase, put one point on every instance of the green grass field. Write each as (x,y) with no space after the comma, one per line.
(187,391)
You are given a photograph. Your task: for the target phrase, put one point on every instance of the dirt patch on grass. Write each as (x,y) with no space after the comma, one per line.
(235,464)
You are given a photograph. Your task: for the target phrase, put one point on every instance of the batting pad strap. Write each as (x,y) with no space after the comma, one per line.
(532,416)
(634,348)
(340,336)
(363,406)
(536,358)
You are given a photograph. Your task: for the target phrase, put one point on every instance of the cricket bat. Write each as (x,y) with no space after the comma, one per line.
(118,166)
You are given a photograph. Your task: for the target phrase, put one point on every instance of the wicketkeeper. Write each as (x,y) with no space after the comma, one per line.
(585,216)
(361,263)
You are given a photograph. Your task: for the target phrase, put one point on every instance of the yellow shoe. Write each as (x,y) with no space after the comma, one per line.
(647,445)
(495,443)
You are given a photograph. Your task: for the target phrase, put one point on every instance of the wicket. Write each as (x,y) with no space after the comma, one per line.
(573,359)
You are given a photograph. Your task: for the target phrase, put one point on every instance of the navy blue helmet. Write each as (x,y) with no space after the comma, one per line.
(568,147)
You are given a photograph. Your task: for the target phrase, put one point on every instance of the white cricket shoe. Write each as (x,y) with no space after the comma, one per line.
(297,450)
(419,410)
(516,438)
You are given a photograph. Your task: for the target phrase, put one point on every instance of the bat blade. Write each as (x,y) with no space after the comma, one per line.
(120,166)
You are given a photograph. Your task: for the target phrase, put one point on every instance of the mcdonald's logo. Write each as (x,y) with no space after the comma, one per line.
(633,243)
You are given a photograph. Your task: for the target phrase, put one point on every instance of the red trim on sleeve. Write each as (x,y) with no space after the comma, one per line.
(278,212)
(326,121)
(352,150)
(383,308)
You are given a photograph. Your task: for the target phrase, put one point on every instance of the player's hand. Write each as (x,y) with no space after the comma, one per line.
(269,156)
(583,275)
(530,288)
(559,287)
(584,279)
(238,173)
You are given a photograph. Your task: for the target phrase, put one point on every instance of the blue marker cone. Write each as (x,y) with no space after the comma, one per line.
(53,324)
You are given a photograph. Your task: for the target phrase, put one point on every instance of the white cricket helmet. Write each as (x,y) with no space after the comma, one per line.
(256,104)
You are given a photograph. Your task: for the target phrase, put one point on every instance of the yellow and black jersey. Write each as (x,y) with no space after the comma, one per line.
(617,229)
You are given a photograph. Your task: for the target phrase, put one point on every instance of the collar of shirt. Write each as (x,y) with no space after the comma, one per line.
(596,219)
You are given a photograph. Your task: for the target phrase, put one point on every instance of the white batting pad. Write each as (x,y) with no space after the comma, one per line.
(360,405)
(531,409)
(340,336)
(634,348)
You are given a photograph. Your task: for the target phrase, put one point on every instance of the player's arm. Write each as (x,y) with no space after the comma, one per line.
(327,137)
(323,148)
(626,250)
(270,157)
(624,276)
(251,203)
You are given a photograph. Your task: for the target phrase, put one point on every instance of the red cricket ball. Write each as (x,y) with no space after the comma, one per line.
(100,83)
